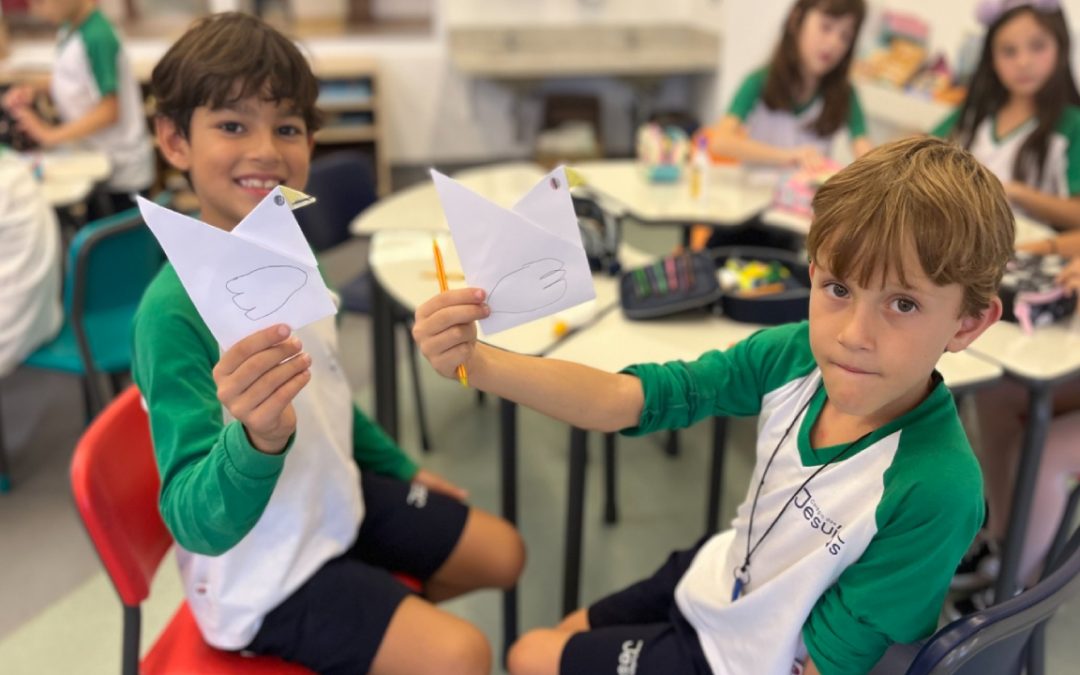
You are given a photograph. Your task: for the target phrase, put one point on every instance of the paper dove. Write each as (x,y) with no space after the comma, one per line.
(260,274)
(528,258)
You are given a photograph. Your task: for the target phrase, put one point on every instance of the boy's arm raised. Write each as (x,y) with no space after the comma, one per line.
(445,331)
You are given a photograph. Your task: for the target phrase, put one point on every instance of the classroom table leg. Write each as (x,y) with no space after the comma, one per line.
(1040,409)
(384,359)
(575,508)
(716,475)
(508,444)
(611,506)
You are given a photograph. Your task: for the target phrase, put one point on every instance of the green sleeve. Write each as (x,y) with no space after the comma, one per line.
(102,51)
(214,484)
(894,592)
(856,119)
(748,94)
(375,451)
(727,383)
(945,127)
(1069,127)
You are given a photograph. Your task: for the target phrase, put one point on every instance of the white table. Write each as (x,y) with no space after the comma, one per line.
(68,176)
(1040,361)
(679,338)
(730,198)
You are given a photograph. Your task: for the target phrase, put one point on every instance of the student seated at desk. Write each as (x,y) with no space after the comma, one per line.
(30,310)
(1022,114)
(98,100)
(289,507)
(865,493)
(789,112)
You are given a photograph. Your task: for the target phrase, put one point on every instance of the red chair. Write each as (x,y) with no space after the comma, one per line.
(115,483)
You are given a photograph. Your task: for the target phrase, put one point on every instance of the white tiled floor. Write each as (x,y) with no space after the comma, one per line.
(58,614)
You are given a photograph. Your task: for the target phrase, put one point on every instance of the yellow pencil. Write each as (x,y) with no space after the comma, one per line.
(440,272)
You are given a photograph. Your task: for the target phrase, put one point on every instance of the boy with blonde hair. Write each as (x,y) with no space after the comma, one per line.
(865,493)
(290,508)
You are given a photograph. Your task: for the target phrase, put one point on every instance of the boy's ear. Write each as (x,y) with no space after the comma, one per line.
(173,143)
(971,327)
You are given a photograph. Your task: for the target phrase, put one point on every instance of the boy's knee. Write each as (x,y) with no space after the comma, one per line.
(464,652)
(536,653)
(509,560)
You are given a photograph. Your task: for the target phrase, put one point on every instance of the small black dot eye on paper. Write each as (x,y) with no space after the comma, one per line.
(279,200)
(554,183)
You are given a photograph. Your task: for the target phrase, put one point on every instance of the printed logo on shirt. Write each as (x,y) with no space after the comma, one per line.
(418,495)
(628,658)
(816,518)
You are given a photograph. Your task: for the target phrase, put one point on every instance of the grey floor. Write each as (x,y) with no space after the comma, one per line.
(59,615)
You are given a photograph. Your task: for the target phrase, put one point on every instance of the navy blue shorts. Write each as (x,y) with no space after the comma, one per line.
(639,630)
(335,622)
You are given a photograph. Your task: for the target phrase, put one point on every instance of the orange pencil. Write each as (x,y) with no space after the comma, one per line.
(440,272)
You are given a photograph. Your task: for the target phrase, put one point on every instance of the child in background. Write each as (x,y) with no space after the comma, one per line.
(865,492)
(289,507)
(1021,116)
(97,97)
(30,310)
(788,112)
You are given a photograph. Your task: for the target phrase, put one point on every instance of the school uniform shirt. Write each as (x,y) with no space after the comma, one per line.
(1061,170)
(30,310)
(250,527)
(863,555)
(91,64)
(787,128)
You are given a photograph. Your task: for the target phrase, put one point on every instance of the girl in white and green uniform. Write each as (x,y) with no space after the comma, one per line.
(789,112)
(1022,114)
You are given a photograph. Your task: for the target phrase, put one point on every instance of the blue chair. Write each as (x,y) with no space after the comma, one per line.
(343,186)
(110,262)
(1002,639)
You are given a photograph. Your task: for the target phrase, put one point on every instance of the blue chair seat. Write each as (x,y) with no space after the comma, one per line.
(111,346)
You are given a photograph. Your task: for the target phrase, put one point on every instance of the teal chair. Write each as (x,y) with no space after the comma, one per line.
(110,262)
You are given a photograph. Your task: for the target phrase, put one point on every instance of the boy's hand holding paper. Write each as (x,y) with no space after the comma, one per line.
(260,274)
(529,258)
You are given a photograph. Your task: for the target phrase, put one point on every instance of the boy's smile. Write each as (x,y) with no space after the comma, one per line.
(237,154)
(877,345)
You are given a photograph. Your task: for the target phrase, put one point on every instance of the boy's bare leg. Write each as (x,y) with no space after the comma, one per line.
(424,640)
(575,622)
(490,554)
(538,652)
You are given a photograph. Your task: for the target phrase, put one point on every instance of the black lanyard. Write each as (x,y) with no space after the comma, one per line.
(742,574)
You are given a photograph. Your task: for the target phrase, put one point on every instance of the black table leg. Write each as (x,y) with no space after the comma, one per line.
(384,357)
(575,508)
(1040,409)
(508,469)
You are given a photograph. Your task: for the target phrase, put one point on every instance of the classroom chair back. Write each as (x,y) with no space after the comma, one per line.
(110,262)
(996,641)
(115,483)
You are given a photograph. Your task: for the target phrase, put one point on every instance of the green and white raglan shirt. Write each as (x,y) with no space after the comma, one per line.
(785,128)
(862,557)
(91,64)
(250,527)
(1061,170)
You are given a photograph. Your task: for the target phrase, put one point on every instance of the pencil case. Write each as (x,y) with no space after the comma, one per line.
(1030,294)
(782,297)
(673,284)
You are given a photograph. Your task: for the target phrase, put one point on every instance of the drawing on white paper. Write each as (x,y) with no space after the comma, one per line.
(264,290)
(536,284)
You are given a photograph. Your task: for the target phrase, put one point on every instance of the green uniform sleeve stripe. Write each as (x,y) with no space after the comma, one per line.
(214,484)
(929,514)
(1069,127)
(374,450)
(856,119)
(728,383)
(946,126)
(102,51)
(748,94)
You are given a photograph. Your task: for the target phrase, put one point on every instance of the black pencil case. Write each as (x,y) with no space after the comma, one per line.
(784,306)
(671,285)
